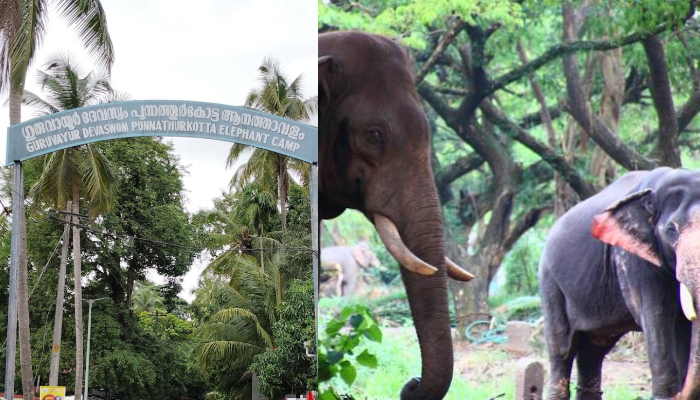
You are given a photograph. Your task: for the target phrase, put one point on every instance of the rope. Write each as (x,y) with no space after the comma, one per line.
(494,332)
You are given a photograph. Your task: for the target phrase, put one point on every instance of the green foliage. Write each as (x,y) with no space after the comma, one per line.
(149,204)
(166,327)
(522,262)
(342,350)
(286,368)
(127,371)
(298,262)
(413,21)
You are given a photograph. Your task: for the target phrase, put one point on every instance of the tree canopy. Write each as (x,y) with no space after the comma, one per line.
(535,106)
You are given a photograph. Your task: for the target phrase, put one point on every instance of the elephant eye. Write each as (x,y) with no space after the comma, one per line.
(672,231)
(376,135)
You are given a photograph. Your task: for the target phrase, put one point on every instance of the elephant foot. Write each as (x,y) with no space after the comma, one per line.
(414,390)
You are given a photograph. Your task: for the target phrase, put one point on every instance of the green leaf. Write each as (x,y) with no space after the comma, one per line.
(335,356)
(334,327)
(327,395)
(366,359)
(356,320)
(348,373)
(374,333)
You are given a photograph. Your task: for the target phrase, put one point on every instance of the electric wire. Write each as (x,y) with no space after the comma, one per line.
(113,235)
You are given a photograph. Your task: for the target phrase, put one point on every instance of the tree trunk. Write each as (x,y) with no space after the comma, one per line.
(470,298)
(22,286)
(58,317)
(78,286)
(262,252)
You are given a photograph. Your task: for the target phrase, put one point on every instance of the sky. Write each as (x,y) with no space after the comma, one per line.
(173,50)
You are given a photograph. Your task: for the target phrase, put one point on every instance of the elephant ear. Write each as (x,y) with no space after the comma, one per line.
(327,69)
(629,225)
(360,253)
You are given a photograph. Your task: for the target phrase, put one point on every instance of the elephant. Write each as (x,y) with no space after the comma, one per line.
(626,259)
(374,156)
(348,261)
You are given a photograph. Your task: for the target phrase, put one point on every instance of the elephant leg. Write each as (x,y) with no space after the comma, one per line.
(657,313)
(589,363)
(559,377)
(661,348)
(683,332)
(559,338)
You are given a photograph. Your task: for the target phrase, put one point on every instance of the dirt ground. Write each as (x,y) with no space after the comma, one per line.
(625,366)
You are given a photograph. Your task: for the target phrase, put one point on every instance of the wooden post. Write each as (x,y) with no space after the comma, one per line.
(529,380)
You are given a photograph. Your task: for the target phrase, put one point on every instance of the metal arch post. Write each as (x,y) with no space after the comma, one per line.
(314,239)
(17,214)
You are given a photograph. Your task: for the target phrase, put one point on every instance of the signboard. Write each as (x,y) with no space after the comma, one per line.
(161,118)
(52,393)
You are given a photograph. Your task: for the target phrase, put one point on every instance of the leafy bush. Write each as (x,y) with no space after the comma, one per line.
(341,350)
(287,367)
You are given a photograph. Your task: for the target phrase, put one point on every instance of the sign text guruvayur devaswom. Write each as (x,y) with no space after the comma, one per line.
(161,118)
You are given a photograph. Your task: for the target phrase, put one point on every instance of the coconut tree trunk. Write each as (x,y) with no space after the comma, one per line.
(58,317)
(22,287)
(262,252)
(78,286)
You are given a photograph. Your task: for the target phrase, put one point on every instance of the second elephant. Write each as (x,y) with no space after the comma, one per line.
(348,261)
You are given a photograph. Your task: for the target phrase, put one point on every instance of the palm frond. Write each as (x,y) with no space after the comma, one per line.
(10,21)
(44,107)
(57,179)
(29,35)
(90,21)
(99,178)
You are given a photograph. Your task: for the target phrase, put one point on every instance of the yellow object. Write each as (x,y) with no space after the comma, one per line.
(52,393)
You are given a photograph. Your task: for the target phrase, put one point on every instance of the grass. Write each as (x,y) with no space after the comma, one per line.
(481,372)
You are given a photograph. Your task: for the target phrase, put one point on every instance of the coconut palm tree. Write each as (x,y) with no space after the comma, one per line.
(275,95)
(22,24)
(72,173)
(235,334)
(251,287)
(147,299)
(255,207)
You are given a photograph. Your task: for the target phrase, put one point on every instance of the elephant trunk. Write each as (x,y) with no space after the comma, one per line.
(688,274)
(691,387)
(420,229)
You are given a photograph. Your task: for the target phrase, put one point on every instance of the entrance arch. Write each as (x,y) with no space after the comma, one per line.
(171,118)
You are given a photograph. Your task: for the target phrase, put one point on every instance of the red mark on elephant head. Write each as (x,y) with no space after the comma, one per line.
(607,229)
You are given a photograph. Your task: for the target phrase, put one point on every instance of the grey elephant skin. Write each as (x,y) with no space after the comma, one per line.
(374,156)
(349,262)
(626,259)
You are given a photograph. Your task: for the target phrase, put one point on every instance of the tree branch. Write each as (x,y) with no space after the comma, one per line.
(524,223)
(445,41)
(449,174)
(582,187)
(579,108)
(563,49)
(667,143)
(685,116)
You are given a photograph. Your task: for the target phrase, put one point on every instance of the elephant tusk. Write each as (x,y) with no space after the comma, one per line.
(456,272)
(687,303)
(392,240)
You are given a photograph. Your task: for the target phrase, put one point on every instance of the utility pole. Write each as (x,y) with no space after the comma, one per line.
(87,356)
(58,317)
